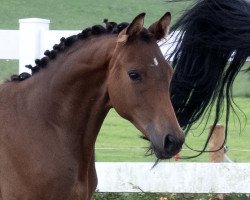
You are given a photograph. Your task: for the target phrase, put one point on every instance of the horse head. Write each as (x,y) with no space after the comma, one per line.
(138,85)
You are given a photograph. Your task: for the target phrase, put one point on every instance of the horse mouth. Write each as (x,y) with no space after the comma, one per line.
(161,153)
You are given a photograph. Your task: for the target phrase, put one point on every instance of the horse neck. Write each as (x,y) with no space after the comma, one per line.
(73,92)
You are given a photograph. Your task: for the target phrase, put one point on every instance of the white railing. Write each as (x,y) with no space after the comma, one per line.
(174,177)
(30,42)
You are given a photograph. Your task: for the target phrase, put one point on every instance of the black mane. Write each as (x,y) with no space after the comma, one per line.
(210,33)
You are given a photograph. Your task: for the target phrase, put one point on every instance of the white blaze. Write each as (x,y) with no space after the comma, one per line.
(155,62)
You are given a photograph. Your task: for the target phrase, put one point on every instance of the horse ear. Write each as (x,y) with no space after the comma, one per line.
(136,26)
(133,29)
(160,28)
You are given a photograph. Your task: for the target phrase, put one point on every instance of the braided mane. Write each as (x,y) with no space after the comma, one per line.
(65,43)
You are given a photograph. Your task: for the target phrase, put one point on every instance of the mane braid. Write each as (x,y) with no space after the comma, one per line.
(108,28)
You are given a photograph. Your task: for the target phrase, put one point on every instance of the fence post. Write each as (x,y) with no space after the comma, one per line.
(29,40)
(215,143)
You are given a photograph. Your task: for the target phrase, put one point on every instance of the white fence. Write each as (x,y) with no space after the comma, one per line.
(29,43)
(174,177)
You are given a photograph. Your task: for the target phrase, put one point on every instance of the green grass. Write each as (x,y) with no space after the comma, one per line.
(242,83)
(81,13)
(8,68)
(118,140)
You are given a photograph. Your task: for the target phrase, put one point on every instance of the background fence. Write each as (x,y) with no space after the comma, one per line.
(174,177)
(30,42)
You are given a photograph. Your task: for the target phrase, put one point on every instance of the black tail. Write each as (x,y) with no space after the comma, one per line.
(210,33)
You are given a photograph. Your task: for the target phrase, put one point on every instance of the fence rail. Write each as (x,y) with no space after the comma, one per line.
(174,177)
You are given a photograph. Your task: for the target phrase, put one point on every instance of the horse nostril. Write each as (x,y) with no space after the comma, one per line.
(172,144)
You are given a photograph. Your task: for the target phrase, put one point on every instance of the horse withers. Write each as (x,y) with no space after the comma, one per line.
(49,121)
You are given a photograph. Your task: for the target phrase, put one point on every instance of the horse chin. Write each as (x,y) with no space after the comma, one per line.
(160,154)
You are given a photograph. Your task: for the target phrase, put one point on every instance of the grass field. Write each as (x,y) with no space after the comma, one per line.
(81,13)
(119,140)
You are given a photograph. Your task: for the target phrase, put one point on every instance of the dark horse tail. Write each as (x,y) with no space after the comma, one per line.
(212,47)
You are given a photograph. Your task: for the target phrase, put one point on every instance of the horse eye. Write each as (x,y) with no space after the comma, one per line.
(134,75)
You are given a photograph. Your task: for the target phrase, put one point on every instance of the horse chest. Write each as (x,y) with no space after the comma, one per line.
(50,179)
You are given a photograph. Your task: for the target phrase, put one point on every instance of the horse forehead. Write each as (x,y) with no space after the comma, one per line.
(145,48)
(145,54)
(149,60)
(154,62)
(150,55)
(154,55)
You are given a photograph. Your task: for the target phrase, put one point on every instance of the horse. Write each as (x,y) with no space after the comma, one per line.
(212,45)
(50,120)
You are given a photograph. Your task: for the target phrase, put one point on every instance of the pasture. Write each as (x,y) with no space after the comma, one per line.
(118,139)
(80,14)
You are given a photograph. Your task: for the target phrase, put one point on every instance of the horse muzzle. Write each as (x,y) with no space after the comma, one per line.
(169,147)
